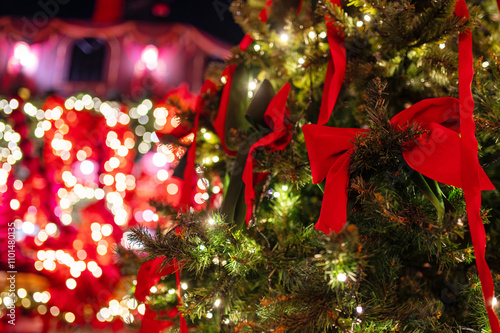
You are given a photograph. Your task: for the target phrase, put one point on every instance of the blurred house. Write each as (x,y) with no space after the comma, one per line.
(128,60)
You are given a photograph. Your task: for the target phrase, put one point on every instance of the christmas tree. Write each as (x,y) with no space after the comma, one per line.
(376,102)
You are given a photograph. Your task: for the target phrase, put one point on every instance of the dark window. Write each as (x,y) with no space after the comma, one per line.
(87,60)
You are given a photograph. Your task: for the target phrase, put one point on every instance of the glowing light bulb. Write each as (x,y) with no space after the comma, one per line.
(284,37)
(256,47)
(159,160)
(149,57)
(70,317)
(21,292)
(341,277)
(359,309)
(14,204)
(71,283)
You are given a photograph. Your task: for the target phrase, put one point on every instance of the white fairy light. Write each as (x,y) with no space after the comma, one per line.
(341,277)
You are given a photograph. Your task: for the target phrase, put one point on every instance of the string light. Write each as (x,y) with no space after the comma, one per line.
(341,277)
(284,37)
(71,283)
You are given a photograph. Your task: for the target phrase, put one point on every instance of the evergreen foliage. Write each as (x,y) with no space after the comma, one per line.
(400,265)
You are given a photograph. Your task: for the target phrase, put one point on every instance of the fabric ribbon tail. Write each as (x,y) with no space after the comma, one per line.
(189,170)
(470,165)
(220,121)
(246,42)
(335,72)
(182,321)
(249,189)
(473,203)
(264,13)
(333,215)
(301,3)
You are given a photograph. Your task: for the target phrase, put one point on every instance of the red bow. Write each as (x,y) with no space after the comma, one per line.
(436,154)
(278,139)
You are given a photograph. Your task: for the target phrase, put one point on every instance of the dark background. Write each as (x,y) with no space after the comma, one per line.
(212,16)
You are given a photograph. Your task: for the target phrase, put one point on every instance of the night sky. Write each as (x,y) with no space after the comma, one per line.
(211,16)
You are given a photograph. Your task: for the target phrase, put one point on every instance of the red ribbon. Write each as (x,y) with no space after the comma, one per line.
(263,17)
(187,187)
(189,170)
(335,71)
(150,323)
(247,41)
(275,116)
(301,2)
(435,155)
(150,272)
(469,162)
(264,13)
(329,151)
(149,275)
(182,321)
(220,121)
